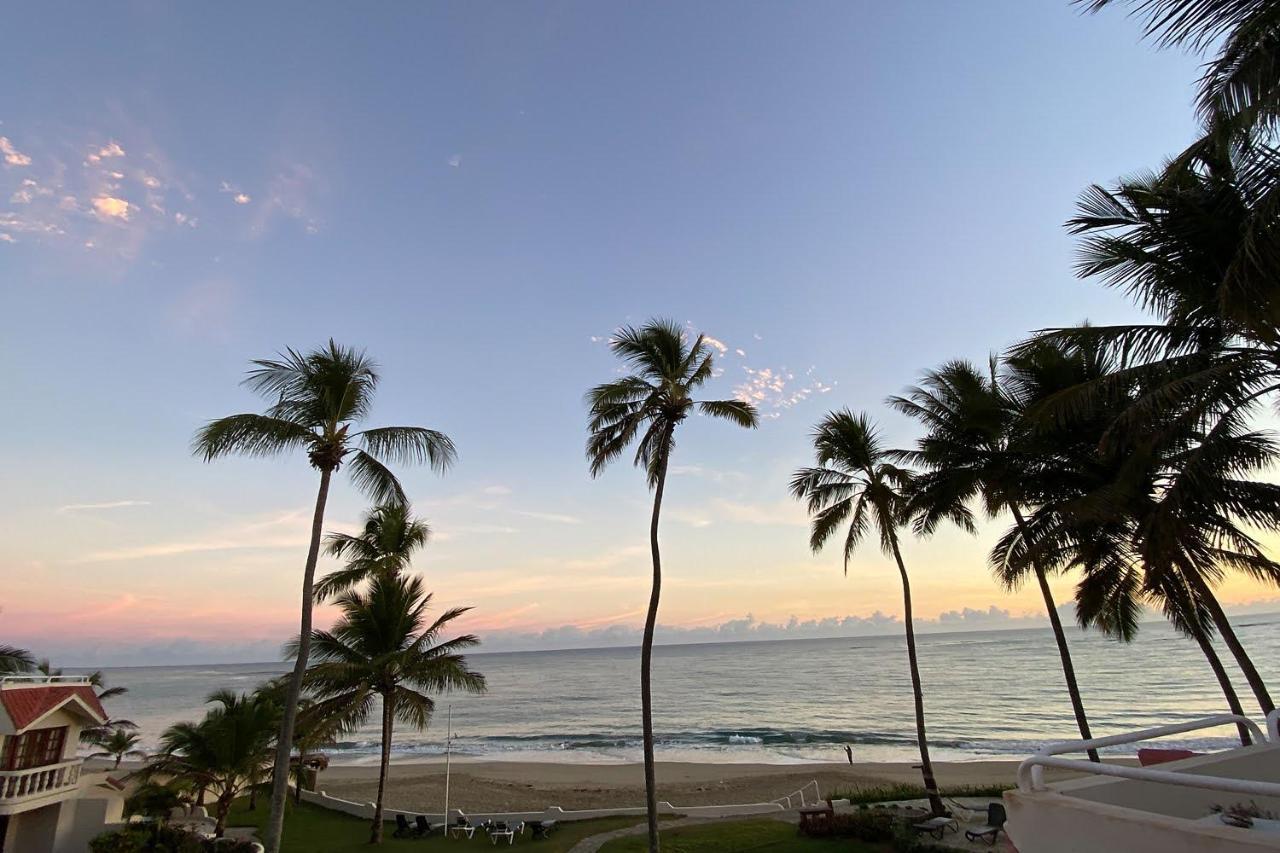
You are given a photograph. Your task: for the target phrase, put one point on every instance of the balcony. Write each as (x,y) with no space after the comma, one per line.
(36,786)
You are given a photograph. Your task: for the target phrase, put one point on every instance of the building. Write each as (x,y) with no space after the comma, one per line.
(1175,807)
(48,802)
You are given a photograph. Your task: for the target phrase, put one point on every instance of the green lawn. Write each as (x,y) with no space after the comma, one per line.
(758,836)
(311,829)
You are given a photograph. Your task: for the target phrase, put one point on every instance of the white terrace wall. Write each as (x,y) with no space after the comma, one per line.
(365,811)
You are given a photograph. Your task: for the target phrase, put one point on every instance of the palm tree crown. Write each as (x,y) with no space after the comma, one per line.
(385,545)
(656,397)
(317,399)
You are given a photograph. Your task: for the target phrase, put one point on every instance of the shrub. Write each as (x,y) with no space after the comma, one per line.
(158,838)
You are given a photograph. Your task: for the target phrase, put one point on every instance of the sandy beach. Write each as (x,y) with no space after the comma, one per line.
(519,786)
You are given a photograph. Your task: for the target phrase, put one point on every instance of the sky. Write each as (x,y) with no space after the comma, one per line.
(839,194)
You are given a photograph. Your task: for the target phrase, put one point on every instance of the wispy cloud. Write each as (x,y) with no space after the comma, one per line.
(106,152)
(92,507)
(773,390)
(558,518)
(455,161)
(12,156)
(109,207)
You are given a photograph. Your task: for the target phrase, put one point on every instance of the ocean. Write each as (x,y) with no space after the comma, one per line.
(992,694)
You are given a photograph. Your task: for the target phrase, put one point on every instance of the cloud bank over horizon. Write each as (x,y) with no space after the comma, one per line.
(181,651)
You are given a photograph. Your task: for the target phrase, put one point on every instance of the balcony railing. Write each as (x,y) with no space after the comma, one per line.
(18,786)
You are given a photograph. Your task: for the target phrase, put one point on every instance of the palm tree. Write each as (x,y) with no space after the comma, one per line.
(221,753)
(1160,514)
(317,400)
(14,660)
(856,483)
(1191,244)
(976,446)
(649,404)
(1241,84)
(382,648)
(118,745)
(386,545)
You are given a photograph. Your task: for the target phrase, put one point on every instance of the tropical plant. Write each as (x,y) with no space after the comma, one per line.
(14,660)
(1156,515)
(1195,244)
(648,404)
(855,483)
(221,753)
(1241,83)
(312,731)
(118,745)
(385,545)
(383,651)
(977,448)
(91,735)
(317,400)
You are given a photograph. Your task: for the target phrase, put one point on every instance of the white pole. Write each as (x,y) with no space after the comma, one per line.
(448,747)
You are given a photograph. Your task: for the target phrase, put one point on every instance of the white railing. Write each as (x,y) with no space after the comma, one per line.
(1031,771)
(19,785)
(789,799)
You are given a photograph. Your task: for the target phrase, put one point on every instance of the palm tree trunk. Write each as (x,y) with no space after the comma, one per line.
(1233,642)
(1224,681)
(253,795)
(388,719)
(284,741)
(926,764)
(1059,636)
(646,650)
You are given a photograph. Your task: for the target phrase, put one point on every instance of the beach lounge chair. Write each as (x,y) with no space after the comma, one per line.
(995,823)
(937,826)
(424,828)
(500,829)
(403,829)
(462,826)
(541,828)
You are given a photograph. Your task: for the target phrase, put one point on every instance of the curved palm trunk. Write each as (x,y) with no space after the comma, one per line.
(1059,636)
(388,720)
(926,764)
(1224,681)
(1233,643)
(222,808)
(646,653)
(284,741)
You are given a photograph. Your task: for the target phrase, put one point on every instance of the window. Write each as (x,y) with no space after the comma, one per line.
(34,749)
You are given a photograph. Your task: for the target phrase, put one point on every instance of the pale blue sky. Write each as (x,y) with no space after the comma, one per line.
(847,192)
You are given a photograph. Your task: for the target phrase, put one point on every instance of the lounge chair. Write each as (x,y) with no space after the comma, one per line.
(937,826)
(541,828)
(424,828)
(462,826)
(500,829)
(995,823)
(403,829)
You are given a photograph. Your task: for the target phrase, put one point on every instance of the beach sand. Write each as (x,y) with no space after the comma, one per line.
(496,786)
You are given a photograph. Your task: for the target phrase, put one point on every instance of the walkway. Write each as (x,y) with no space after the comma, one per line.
(593,843)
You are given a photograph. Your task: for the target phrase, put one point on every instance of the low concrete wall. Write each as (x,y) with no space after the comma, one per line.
(365,811)
(1049,822)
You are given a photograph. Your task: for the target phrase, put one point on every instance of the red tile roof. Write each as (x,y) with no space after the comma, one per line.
(25,705)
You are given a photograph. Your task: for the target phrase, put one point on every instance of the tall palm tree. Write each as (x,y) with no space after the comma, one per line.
(1164,511)
(386,545)
(118,745)
(222,752)
(648,404)
(317,400)
(1241,83)
(856,483)
(976,447)
(382,648)
(14,660)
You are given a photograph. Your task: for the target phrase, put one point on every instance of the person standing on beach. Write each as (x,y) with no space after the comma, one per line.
(848,751)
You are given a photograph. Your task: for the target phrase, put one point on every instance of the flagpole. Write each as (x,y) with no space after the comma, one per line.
(448,748)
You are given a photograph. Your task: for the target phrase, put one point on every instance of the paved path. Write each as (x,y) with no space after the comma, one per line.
(593,843)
